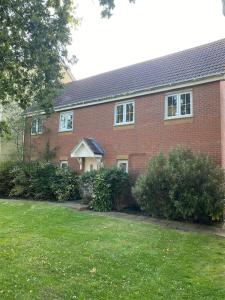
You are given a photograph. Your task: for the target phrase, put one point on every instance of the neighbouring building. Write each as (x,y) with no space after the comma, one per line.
(126,116)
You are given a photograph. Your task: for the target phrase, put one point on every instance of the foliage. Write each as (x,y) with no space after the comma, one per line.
(108,6)
(6,178)
(152,189)
(4,129)
(40,181)
(86,185)
(34,36)
(21,179)
(109,186)
(184,186)
(12,139)
(65,186)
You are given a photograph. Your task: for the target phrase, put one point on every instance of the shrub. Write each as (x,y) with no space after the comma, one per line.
(110,185)
(86,185)
(65,186)
(184,186)
(21,183)
(152,189)
(6,178)
(40,181)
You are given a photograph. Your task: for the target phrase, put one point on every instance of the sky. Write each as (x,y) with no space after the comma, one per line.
(141,31)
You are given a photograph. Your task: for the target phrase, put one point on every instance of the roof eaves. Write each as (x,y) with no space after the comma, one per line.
(216,76)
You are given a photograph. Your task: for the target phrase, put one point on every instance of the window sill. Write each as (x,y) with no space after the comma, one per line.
(36,134)
(177,121)
(178,118)
(123,126)
(62,131)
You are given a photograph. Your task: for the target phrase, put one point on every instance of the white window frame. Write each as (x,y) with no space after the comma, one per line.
(64,162)
(65,113)
(119,161)
(124,112)
(37,126)
(178,115)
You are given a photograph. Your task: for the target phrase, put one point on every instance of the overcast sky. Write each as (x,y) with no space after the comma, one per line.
(141,31)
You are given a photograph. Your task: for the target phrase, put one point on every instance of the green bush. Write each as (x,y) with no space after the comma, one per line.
(184,186)
(40,181)
(65,186)
(6,178)
(110,185)
(21,180)
(86,185)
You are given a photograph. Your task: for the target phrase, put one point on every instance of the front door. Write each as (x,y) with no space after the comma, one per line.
(90,163)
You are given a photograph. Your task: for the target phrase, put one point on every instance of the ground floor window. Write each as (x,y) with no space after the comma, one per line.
(123,164)
(64,164)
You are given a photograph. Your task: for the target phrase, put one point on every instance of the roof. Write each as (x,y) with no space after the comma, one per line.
(94,146)
(192,64)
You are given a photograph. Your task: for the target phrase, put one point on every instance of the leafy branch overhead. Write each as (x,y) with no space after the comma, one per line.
(34,36)
(33,39)
(108,6)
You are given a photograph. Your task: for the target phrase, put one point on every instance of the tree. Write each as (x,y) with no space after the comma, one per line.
(108,6)
(12,140)
(33,39)
(34,36)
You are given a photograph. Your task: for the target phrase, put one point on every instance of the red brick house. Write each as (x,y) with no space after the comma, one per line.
(126,116)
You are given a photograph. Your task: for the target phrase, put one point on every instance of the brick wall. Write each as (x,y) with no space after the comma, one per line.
(147,137)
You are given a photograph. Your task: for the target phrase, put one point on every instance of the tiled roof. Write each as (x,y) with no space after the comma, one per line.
(192,64)
(95,147)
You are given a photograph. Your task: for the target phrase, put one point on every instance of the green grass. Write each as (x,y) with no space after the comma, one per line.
(49,252)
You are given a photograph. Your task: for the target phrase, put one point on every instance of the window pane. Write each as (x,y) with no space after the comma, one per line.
(39,125)
(62,122)
(129,112)
(119,114)
(172,106)
(69,121)
(123,166)
(66,121)
(185,102)
(33,126)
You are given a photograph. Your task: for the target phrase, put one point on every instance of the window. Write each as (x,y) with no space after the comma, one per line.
(66,121)
(124,113)
(178,105)
(123,164)
(64,164)
(37,125)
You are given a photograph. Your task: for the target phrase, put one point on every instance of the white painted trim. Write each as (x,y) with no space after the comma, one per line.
(124,103)
(127,96)
(65,113)
(76,148)
(64,162)
(178,116)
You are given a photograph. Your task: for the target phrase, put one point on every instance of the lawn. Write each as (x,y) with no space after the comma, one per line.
(49,252)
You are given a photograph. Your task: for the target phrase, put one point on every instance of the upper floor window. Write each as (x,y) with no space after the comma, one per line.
(124,113)
(66,121)
(178,105)
(37,125)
